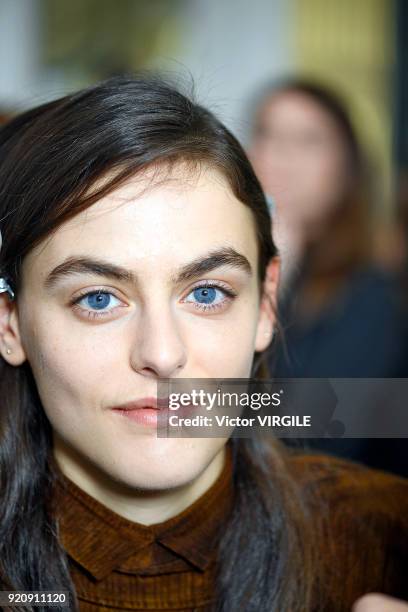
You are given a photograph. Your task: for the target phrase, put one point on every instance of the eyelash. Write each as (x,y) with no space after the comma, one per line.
(93,314)
(229,296)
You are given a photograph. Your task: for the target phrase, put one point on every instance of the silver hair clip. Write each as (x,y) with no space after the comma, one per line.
(271,203)
(4,286)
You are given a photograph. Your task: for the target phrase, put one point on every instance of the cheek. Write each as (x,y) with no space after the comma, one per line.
(68,366)
(225,349)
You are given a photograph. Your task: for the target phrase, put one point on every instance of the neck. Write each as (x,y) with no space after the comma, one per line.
(139,506)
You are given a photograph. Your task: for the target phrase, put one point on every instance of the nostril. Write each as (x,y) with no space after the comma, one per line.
(149,371)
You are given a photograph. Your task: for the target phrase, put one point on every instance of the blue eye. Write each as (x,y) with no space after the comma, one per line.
(98,300)
(209,297)
(205,295)
(100,303)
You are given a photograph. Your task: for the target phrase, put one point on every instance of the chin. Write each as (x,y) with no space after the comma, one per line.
(157,477)
(166,467)
(156,482)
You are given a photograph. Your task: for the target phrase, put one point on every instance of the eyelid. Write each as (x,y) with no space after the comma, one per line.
(212,283)
(211,308)
(229,295)
(89,313)
(201,283)
(114,291)
(91,290)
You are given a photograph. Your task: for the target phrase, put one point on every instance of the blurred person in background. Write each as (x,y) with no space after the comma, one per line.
(341,313)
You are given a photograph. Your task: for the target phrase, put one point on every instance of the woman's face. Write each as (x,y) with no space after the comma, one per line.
(89,354)
(300,157)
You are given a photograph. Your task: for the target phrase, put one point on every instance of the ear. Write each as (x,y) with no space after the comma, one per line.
(268,306)
(11,347)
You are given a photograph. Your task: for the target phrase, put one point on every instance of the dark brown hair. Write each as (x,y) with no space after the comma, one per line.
(51,160)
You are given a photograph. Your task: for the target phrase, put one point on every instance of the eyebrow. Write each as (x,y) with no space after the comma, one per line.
(226,256)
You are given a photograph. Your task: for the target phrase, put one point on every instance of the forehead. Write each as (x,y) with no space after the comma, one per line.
(155,223)
(295,108)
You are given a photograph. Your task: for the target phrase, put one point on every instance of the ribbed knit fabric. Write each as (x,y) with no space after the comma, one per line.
(117,564)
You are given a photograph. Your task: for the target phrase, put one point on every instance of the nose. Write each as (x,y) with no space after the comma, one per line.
(158,349)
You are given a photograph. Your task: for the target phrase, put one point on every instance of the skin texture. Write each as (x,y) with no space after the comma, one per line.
(150,330)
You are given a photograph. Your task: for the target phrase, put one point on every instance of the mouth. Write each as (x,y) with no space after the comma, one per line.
(144,403)
(144,411)
(150,411)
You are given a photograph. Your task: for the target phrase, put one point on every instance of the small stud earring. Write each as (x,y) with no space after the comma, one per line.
(8,351)
(270,334)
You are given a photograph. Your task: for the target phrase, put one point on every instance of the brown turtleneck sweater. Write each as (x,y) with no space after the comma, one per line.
(117,564)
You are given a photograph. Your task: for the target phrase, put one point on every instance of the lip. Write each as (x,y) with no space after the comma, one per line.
(150,411)
(144,411)
(144,403)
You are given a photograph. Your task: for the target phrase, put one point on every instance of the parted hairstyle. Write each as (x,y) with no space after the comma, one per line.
(56,160)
